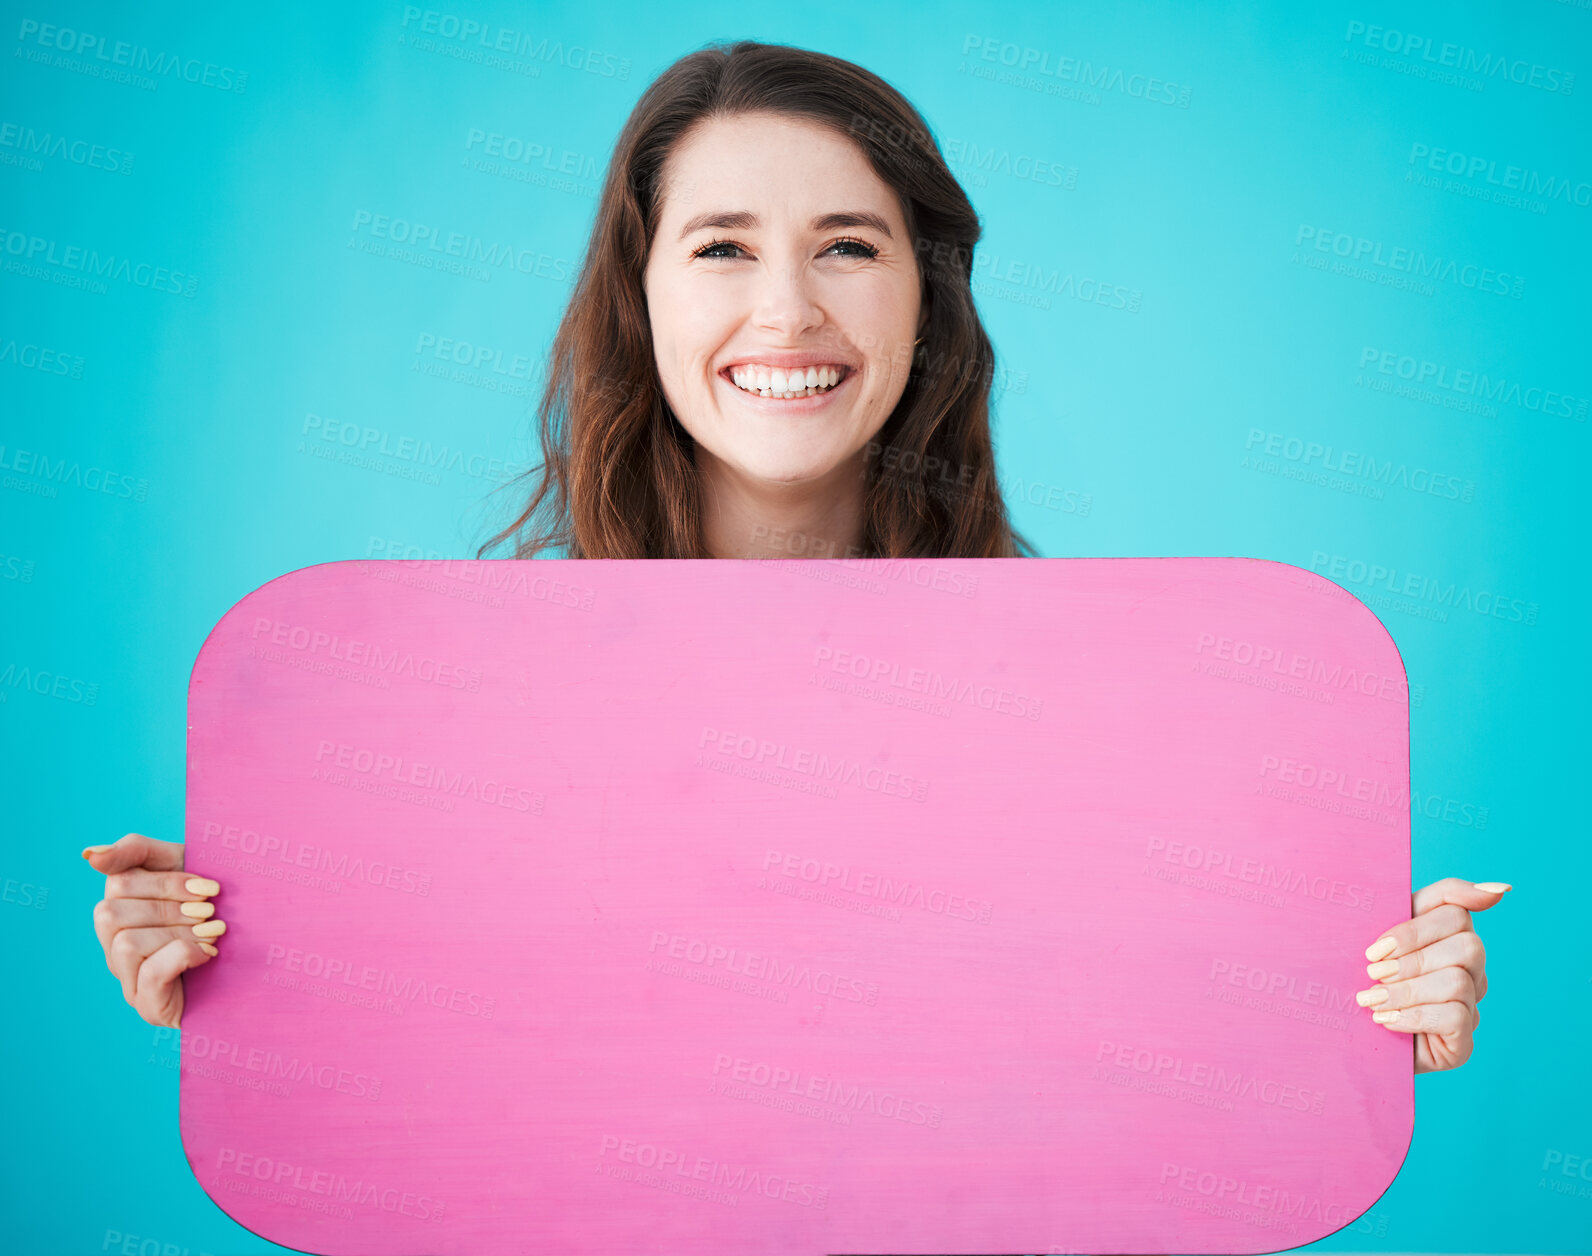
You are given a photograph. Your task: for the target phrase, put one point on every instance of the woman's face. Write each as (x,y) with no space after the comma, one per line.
(779,248)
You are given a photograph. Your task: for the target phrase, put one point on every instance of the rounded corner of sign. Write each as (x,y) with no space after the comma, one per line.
(225,1200)
(1381,634)
(1303,578)
(215,1194)
(231,614)
(1376,1192)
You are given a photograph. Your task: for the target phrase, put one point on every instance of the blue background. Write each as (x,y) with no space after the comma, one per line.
(1208,407)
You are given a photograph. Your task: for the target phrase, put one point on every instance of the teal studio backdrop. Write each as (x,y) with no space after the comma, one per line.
(1300,282)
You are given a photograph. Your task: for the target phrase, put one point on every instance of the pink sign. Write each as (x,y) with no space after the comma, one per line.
(954,905)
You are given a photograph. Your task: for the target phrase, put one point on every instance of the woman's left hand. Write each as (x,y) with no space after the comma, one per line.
(1431,971)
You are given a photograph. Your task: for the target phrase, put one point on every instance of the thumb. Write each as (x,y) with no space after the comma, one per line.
(135,851)
(1471,895)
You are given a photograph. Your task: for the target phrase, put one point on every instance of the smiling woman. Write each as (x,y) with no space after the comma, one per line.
(772,349)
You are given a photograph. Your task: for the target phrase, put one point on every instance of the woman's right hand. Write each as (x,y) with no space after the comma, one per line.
(150,922)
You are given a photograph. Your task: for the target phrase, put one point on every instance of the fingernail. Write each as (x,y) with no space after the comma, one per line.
(1381,947)
(208,949)
(1384,1018)
(202,885)
(1386,968)
(1493,887)
(199,909)
(1371,997)
(93,850)
(210,929)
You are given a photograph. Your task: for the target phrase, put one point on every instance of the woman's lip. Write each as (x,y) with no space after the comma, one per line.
(793,403)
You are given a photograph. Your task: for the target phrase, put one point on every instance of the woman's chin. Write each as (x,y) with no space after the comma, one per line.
(783,473)
(785,459)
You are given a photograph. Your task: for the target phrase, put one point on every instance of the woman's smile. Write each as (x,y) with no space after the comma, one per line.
(786,390)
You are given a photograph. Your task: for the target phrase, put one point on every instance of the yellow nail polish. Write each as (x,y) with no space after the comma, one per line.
(1493,887)
(210,929)
(1381,969)
(1371,997)
(202,885)
(199,909)
(208,949)
(1381,947)
(1384,1018)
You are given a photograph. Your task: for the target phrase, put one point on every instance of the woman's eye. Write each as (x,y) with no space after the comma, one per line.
(709,250)
(863,249)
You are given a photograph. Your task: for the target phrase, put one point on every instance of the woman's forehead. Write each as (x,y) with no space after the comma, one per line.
(782,171)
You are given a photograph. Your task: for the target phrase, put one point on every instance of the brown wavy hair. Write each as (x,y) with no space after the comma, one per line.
(618,474)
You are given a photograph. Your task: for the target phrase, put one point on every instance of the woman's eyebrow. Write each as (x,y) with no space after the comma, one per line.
(741,220)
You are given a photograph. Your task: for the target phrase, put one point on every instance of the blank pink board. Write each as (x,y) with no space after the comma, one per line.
(690,907)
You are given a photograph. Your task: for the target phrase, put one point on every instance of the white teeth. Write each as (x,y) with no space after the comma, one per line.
(776,382)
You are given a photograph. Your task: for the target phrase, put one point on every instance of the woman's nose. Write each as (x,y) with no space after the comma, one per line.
(786,301)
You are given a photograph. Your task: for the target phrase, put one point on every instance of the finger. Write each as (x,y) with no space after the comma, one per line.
(133,851)
(1474,897)
(1446,985)
(1471,895)
(129,948)
(112,915)
(1410,935)
(159,996)
(1447,1020)
(145,883)
(1464,950)
(135,913)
